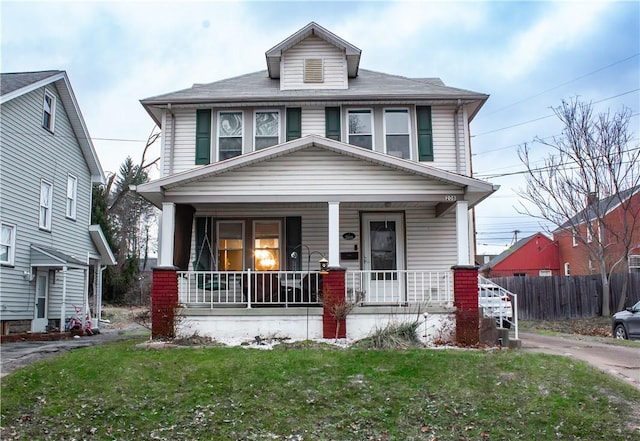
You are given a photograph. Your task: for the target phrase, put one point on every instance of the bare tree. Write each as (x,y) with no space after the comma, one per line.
(591,168)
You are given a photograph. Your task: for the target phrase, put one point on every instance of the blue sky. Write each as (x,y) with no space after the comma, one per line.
(528,56)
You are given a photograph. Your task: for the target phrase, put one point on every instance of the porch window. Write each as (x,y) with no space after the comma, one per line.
(230,245)
(360,124)
(7,243)
(48,110)
(266,245)
(229,135)
(46,199)
(267,129)
(396,130)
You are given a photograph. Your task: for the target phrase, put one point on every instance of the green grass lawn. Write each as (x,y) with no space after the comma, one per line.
(118,392)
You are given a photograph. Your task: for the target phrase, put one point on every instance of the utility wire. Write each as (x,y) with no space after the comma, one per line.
(549,116)
(563,84)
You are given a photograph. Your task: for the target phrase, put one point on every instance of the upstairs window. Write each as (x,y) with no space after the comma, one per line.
(360,124)
(72,196)
(7,243)
(589,232)
(229,135)
(46,202)
(267,129)
(396,131)
(48,110)
(574,238)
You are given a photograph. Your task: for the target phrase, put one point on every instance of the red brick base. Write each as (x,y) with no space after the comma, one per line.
(333,292)
(164,301)
(465,299)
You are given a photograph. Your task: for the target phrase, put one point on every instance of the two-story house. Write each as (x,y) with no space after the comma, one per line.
(50,253)
(312,163)
(606,222)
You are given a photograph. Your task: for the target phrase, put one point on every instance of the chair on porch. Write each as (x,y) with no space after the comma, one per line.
(265,288)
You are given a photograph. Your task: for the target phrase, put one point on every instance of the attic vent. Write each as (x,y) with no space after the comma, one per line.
(313,72)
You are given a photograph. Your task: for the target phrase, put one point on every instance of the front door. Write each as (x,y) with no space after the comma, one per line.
(40,320)
(383,256)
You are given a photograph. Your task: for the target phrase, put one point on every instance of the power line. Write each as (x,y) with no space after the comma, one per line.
(549,116)
(74,137)
(563,84)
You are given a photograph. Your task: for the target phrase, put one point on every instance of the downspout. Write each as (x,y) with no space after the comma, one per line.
(63,306)
(456,135)
(173,137)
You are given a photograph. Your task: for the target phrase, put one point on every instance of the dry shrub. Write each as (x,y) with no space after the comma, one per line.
(393,336)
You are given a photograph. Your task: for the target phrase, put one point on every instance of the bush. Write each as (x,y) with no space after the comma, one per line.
(393,336)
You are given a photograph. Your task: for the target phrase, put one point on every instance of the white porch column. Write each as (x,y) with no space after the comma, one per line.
(462,232)
(334,234)
(63,306)
(167,226)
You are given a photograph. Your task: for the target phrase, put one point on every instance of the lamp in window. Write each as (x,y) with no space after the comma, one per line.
(265,260)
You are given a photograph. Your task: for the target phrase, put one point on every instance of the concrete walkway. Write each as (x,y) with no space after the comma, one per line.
(18,354)
(620,361)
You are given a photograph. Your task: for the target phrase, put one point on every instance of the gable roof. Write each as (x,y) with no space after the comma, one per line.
(368,86)
(599,208)
(476,190)
(512,249)
(274,54)
(13,85)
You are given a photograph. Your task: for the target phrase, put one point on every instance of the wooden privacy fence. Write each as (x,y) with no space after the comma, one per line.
(566,297)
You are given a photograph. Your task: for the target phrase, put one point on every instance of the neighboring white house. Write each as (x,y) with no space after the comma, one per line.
(265,174)
(48,167)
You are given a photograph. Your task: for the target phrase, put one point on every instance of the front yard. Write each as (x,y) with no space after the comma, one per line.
(118,392)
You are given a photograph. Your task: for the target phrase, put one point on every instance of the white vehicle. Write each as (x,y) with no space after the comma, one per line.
(495,302)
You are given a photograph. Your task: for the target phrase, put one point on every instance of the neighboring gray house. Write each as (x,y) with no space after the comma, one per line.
(267,173)
(48,166)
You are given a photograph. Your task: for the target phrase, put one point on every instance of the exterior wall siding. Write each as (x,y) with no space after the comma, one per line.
(292,65)
(314,171)
(28,154)
(313,122)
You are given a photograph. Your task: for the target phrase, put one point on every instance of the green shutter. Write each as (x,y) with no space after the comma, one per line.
(425,133)
(203,137)
(332,122)
(294,123)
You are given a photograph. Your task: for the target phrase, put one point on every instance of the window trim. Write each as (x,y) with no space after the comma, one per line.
(589,233)
(218,119)
(52,115)
(567,269)
(255,126)
(372,134)
(74,199)
(11,245)
(574,238)
(384,127)
(46,225)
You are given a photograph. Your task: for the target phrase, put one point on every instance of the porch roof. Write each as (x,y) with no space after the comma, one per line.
(474,190)
(48,257)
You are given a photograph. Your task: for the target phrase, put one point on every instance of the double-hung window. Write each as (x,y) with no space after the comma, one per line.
(229,135)
(7,243)
(396,133)
(230,245)
(48,110)
(46,203)
(266,245)
(360,123)
(72,196)
(267,129)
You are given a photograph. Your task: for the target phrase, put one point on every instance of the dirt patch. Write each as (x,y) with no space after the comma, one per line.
(592,326)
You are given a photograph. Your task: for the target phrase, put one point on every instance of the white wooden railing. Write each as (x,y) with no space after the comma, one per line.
(293,288)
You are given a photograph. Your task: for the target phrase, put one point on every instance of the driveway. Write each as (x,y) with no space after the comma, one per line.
(620,361)
(19,354)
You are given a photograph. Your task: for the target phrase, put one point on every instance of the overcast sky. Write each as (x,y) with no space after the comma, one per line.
(528,56)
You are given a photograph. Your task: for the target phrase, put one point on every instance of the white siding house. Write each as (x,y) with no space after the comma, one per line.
(48,167)
(269,174)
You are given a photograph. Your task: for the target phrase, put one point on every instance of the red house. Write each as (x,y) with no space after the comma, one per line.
(536,255)
(614,211)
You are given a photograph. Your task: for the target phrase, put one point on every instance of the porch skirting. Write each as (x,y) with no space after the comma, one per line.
(300,323)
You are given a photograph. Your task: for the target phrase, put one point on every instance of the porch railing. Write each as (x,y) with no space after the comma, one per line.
(298,288)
